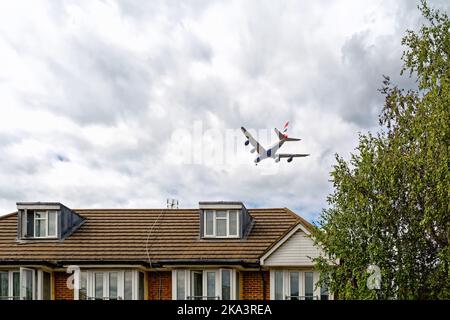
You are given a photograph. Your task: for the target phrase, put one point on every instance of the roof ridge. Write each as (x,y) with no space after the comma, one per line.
(308,225)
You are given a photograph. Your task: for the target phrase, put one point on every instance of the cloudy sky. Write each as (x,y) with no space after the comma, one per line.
(123,104)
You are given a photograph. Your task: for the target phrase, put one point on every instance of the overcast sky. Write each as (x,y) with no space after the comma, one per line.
(123,104)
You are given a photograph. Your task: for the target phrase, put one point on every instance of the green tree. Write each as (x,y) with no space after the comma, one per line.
(390,202)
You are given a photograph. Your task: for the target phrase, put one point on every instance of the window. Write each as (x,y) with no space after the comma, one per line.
(197,285)
(9,285)
(221,223)
(128,285)
(45,224)
(226,284)
(279,285)
(324,293)
(211,285)
(110,285)
(295,285)
(209,223)
(46,285)
(141,286)
(113,283)
(98,285)
(26,284)
(208,284)
(309,286)
(181,284)
(83,286)
(294,288)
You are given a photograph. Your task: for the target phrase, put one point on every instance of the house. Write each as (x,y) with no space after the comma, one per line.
(222,250)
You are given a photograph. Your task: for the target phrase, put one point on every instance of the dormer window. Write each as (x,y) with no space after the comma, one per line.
(45,224)
(221,223)
(221,220)
(46,220)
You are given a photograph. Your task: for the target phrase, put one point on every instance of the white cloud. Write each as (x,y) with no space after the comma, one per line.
(93,92)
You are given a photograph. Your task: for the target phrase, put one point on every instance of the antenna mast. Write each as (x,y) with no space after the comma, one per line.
(172,204)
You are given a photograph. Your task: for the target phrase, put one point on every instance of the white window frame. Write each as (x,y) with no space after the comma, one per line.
(37,277)
(287,283)
(218,282)
(215,218)
(10,274)
(90,283)
(22,285)
(40,284)
(47,221)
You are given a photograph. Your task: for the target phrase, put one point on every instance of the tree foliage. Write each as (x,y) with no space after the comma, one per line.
(390,202)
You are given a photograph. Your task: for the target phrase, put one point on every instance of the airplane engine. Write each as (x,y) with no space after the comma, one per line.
(253,150)
(246,142)
(290,159)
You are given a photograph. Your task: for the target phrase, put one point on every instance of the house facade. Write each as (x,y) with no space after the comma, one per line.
(222,250)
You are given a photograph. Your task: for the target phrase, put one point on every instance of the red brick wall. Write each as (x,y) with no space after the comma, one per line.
(62,292)
(160,285)
(252,285)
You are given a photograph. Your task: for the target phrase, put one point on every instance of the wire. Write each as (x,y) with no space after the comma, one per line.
(148,251)
(148,237)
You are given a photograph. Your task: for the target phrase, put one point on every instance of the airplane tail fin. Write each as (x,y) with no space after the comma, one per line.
(283,135)
(280,135)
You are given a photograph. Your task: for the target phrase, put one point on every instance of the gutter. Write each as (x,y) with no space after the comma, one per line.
(28,262)
(243,263)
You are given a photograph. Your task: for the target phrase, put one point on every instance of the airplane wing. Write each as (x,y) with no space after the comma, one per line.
(291,155)
(259,148)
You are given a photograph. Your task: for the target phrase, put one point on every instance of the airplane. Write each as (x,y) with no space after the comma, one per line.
(271,152)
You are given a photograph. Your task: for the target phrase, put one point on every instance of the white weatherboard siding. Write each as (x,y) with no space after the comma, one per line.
(295,251)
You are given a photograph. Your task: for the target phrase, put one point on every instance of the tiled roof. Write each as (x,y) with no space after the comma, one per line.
(125,235)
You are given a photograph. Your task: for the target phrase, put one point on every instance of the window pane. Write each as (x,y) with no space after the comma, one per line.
(293,283)
(113,285)
(16,285)
(40,215)
(211,285)
(128,285)
(141,286)
(309,286)
(28,284)
(98,285)
(324,293)
(197,285)
(4,285)
(233,223)
(181,285)
(83,286)
(221,214)
(46,286)
(226,284)
(221,227)
(279,285)
(209,223)
(40,226)
(52,224)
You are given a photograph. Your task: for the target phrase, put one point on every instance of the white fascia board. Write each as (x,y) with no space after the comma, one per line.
(39,207)
(221,206)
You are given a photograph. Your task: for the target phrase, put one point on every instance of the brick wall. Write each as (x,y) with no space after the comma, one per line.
(160,285)
(252,285)
(62,292)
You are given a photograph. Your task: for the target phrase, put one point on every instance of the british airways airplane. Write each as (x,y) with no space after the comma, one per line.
(272,151)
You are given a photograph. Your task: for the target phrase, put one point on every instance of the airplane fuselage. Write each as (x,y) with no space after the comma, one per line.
(271,152)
